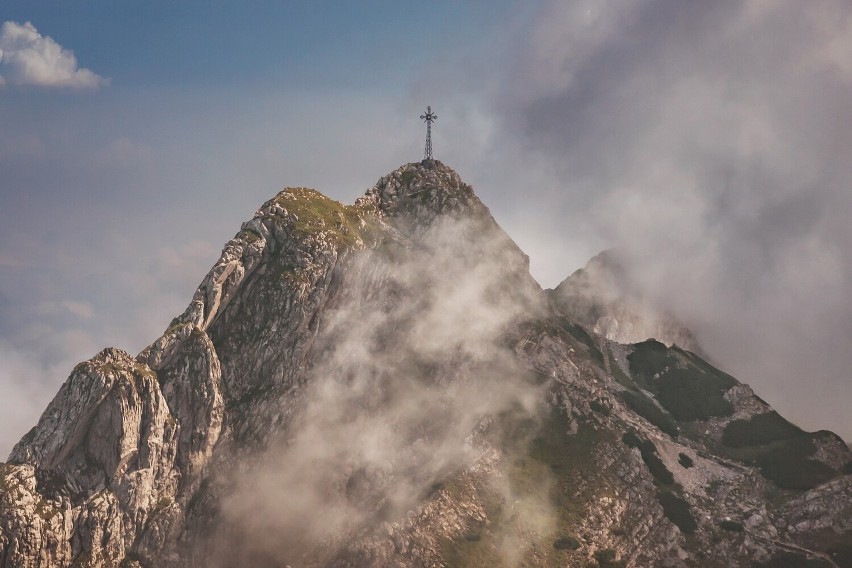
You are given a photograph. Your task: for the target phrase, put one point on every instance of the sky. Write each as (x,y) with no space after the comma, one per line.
(709,142)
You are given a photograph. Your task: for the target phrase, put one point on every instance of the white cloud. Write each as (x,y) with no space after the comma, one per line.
(29,59)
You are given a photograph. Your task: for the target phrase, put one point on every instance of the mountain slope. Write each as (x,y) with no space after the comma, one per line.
(384,384)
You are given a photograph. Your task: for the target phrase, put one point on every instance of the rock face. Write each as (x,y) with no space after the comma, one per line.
(384,384)
(601,298)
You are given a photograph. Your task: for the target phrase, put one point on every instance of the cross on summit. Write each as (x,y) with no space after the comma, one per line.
(429,117)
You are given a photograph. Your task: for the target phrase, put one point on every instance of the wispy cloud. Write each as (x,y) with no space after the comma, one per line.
(29,59)
(405,395)
(709,141)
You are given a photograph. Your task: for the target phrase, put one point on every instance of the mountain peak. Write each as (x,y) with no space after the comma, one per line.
(424,190)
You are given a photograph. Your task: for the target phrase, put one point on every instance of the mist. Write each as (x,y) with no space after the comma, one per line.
(414,366)
(709,143)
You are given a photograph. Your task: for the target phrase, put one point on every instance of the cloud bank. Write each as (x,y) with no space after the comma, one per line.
(710,142)
(29,59)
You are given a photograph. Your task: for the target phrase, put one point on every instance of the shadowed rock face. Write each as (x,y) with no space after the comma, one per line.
(384,384)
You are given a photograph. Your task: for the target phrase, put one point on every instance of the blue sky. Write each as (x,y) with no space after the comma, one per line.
(709,141)
(218,43)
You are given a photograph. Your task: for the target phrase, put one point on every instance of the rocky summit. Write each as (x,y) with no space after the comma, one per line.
(384,384)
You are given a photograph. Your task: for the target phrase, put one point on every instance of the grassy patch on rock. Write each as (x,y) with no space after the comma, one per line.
(316,214)
(645,407)
(567,542)
(677,510)
(607,558)
(758,430)
(789,464)
(544,464)
(649,455)
(731,526)
(580,334)
(687,387)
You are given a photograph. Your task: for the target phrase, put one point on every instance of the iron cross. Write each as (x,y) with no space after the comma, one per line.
(429,117)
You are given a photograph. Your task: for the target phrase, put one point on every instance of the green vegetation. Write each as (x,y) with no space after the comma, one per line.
(649,358)
(581,335)
(249,235)
(176,326)
(649,455)
(686,386)
(567,542)
(546,453)
(677,511)
(600,407)
(544,461)
(477,546)
(685,460)
(559,460)
(645,407)
(282,270)
(789,465)
(783,452)
(619,375)
(315,213)
(162,504)
(407,177)
(197,497)
(691,396)
(44,508)
(842,552)
(130,560)
(758,430)
(724,377)
(481,552)
(731,526)
(606,558)
(108,368)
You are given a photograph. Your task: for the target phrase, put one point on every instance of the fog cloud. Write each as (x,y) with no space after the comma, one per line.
(415,359)
(710,142)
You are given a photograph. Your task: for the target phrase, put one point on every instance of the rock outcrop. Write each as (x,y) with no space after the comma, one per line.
(384,384)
